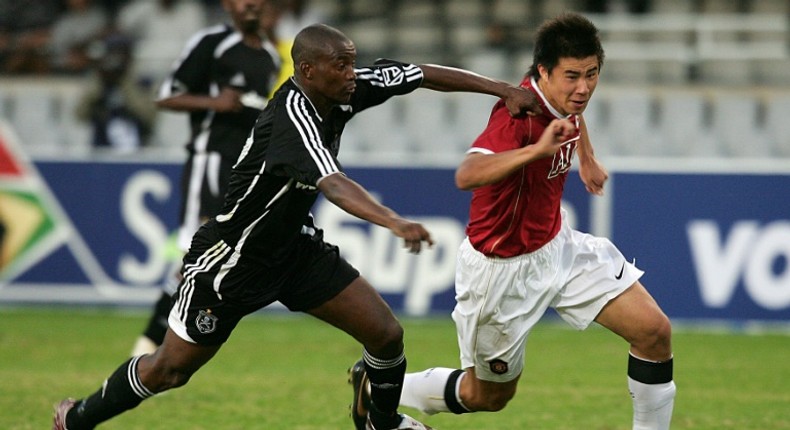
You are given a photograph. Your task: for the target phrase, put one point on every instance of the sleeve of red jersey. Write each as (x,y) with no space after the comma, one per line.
(502,133)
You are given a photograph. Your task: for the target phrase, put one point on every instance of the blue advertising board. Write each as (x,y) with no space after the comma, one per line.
(715,246)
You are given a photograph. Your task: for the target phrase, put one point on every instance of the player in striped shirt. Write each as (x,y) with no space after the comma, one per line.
(264,246)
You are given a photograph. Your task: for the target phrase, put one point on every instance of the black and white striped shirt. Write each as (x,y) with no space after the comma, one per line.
(274,183)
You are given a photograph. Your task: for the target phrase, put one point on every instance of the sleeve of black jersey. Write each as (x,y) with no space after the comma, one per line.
(296,148)
(193,73)
(384,79)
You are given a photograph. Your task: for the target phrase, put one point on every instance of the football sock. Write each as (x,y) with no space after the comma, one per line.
(120,392)
(386,382)
(653,391)
(434,390)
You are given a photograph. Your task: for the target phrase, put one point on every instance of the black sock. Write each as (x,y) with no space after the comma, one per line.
(449,394)
(648,372)
(121,391)
(157,325)
(386,384)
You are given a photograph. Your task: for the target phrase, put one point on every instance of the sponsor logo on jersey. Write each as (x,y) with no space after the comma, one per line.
(301,186)
(392,76)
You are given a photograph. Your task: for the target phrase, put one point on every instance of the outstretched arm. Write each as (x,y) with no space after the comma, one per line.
(354,199)
(442,78)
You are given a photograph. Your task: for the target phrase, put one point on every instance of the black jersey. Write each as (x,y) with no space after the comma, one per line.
(215,58)
(274,183)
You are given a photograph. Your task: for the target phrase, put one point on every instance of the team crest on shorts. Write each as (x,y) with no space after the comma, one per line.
(206,322)
(498,367)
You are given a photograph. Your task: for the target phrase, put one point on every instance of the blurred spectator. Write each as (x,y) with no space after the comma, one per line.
(160,30)
(610,6)
(25,30)
(296,15)
(119,108)
(270,19)
(112,6)
(81,23)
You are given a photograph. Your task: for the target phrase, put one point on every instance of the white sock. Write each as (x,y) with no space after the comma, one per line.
(425,390)
(143,345)
(653,404)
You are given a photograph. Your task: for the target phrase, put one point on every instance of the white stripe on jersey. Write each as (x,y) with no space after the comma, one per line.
(227,43)
(413,72)
(311,138)
(204,263)
(283,190)
(231,263)
(168,87)
(272,50)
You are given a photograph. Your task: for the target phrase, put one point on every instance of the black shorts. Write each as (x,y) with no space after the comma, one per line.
(214,294)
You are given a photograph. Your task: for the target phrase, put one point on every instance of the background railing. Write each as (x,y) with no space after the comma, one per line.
(430,128)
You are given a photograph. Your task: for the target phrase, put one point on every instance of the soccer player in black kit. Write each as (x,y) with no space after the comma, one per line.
(222,80)
(263,246)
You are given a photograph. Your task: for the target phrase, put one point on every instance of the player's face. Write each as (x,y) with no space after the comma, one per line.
(334,76)
(246,14)
(571,84)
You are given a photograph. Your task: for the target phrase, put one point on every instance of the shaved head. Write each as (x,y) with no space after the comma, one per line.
(324,61)
(316,40)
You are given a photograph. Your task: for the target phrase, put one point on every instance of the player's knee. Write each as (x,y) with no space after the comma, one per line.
(656,339)
(174,378)
(388,339)
(163,377)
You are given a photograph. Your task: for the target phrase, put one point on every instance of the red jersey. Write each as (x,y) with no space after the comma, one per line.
(521,213)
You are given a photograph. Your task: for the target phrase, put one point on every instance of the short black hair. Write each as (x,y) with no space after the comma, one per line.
(314,40)
(569,35)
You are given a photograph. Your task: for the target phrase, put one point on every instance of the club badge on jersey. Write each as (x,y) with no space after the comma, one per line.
(206,322)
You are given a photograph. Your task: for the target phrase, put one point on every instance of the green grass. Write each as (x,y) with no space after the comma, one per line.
(289,372)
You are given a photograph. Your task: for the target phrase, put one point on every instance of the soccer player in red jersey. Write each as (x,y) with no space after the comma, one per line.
(521,257)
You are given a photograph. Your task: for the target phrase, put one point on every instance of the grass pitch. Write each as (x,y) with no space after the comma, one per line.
(283,371)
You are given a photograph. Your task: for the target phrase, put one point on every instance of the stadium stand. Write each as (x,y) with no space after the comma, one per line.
(683,78)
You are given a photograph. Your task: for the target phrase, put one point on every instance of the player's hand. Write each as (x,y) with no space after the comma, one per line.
(413,234)
(556,133)
(520,101)
(228,100)
(593,175)
(561,130)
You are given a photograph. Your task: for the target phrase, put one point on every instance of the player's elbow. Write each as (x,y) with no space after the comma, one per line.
(465,178)
(461,181)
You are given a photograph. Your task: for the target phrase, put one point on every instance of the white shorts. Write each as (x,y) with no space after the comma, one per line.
(499,300)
